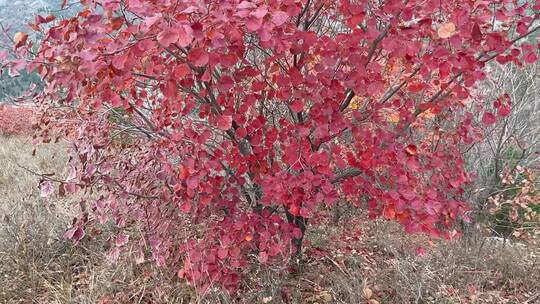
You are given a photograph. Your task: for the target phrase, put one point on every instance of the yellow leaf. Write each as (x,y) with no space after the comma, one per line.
(20,38)
(391,115)
(367,293)
(355,103)
(446,30)
(393,118)
(428,114)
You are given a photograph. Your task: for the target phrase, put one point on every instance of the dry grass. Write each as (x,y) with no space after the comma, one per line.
(26,216)
(466,270)
(37,266)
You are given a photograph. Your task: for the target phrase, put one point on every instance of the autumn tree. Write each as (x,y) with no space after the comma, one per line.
(220,129)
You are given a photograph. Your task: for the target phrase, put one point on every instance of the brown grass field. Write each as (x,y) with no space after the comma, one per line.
(37,266)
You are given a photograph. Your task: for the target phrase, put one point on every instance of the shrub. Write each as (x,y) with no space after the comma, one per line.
(515,209)
(16,120)
(245,122)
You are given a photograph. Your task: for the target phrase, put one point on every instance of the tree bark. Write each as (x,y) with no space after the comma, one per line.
(301,223)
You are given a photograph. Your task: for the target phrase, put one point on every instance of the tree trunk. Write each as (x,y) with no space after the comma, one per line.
(301,223)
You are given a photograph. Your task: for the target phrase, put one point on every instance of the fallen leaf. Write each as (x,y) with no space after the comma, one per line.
(367,293)
(46,188)
(122,239)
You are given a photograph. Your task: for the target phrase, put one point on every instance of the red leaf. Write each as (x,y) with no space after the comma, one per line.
(116,23)
(182,172)
(185,207)
(234,252)
(260,12)
(408,194)
(503,111)
(476,33)
(150,21)
(297,233)
(114,254)
(68,235)
(294,210)
(455,183)
(198,56)
(304,212)
(297,106)
(46,188)
(38,19)
(122,239)
(530,58)
(246,5)
(488,118)
(224,122)
(279,18)
(88,54)
(181,71)
(263,257)
(74,233)
(389,213)
(241,132)
(411,150)
(416,87)
(168,36)
(253,23)
(119,61)
(71,187)
(170,90)
(185,33)
(222,253)
(192,182)
(206,76)
(502,59)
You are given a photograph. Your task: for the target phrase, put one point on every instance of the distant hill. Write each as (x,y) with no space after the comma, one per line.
(18,13)
(14,17)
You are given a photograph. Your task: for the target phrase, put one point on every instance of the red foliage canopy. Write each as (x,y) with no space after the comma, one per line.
(220,127)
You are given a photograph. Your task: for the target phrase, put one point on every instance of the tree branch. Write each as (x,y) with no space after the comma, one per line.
(350,172)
